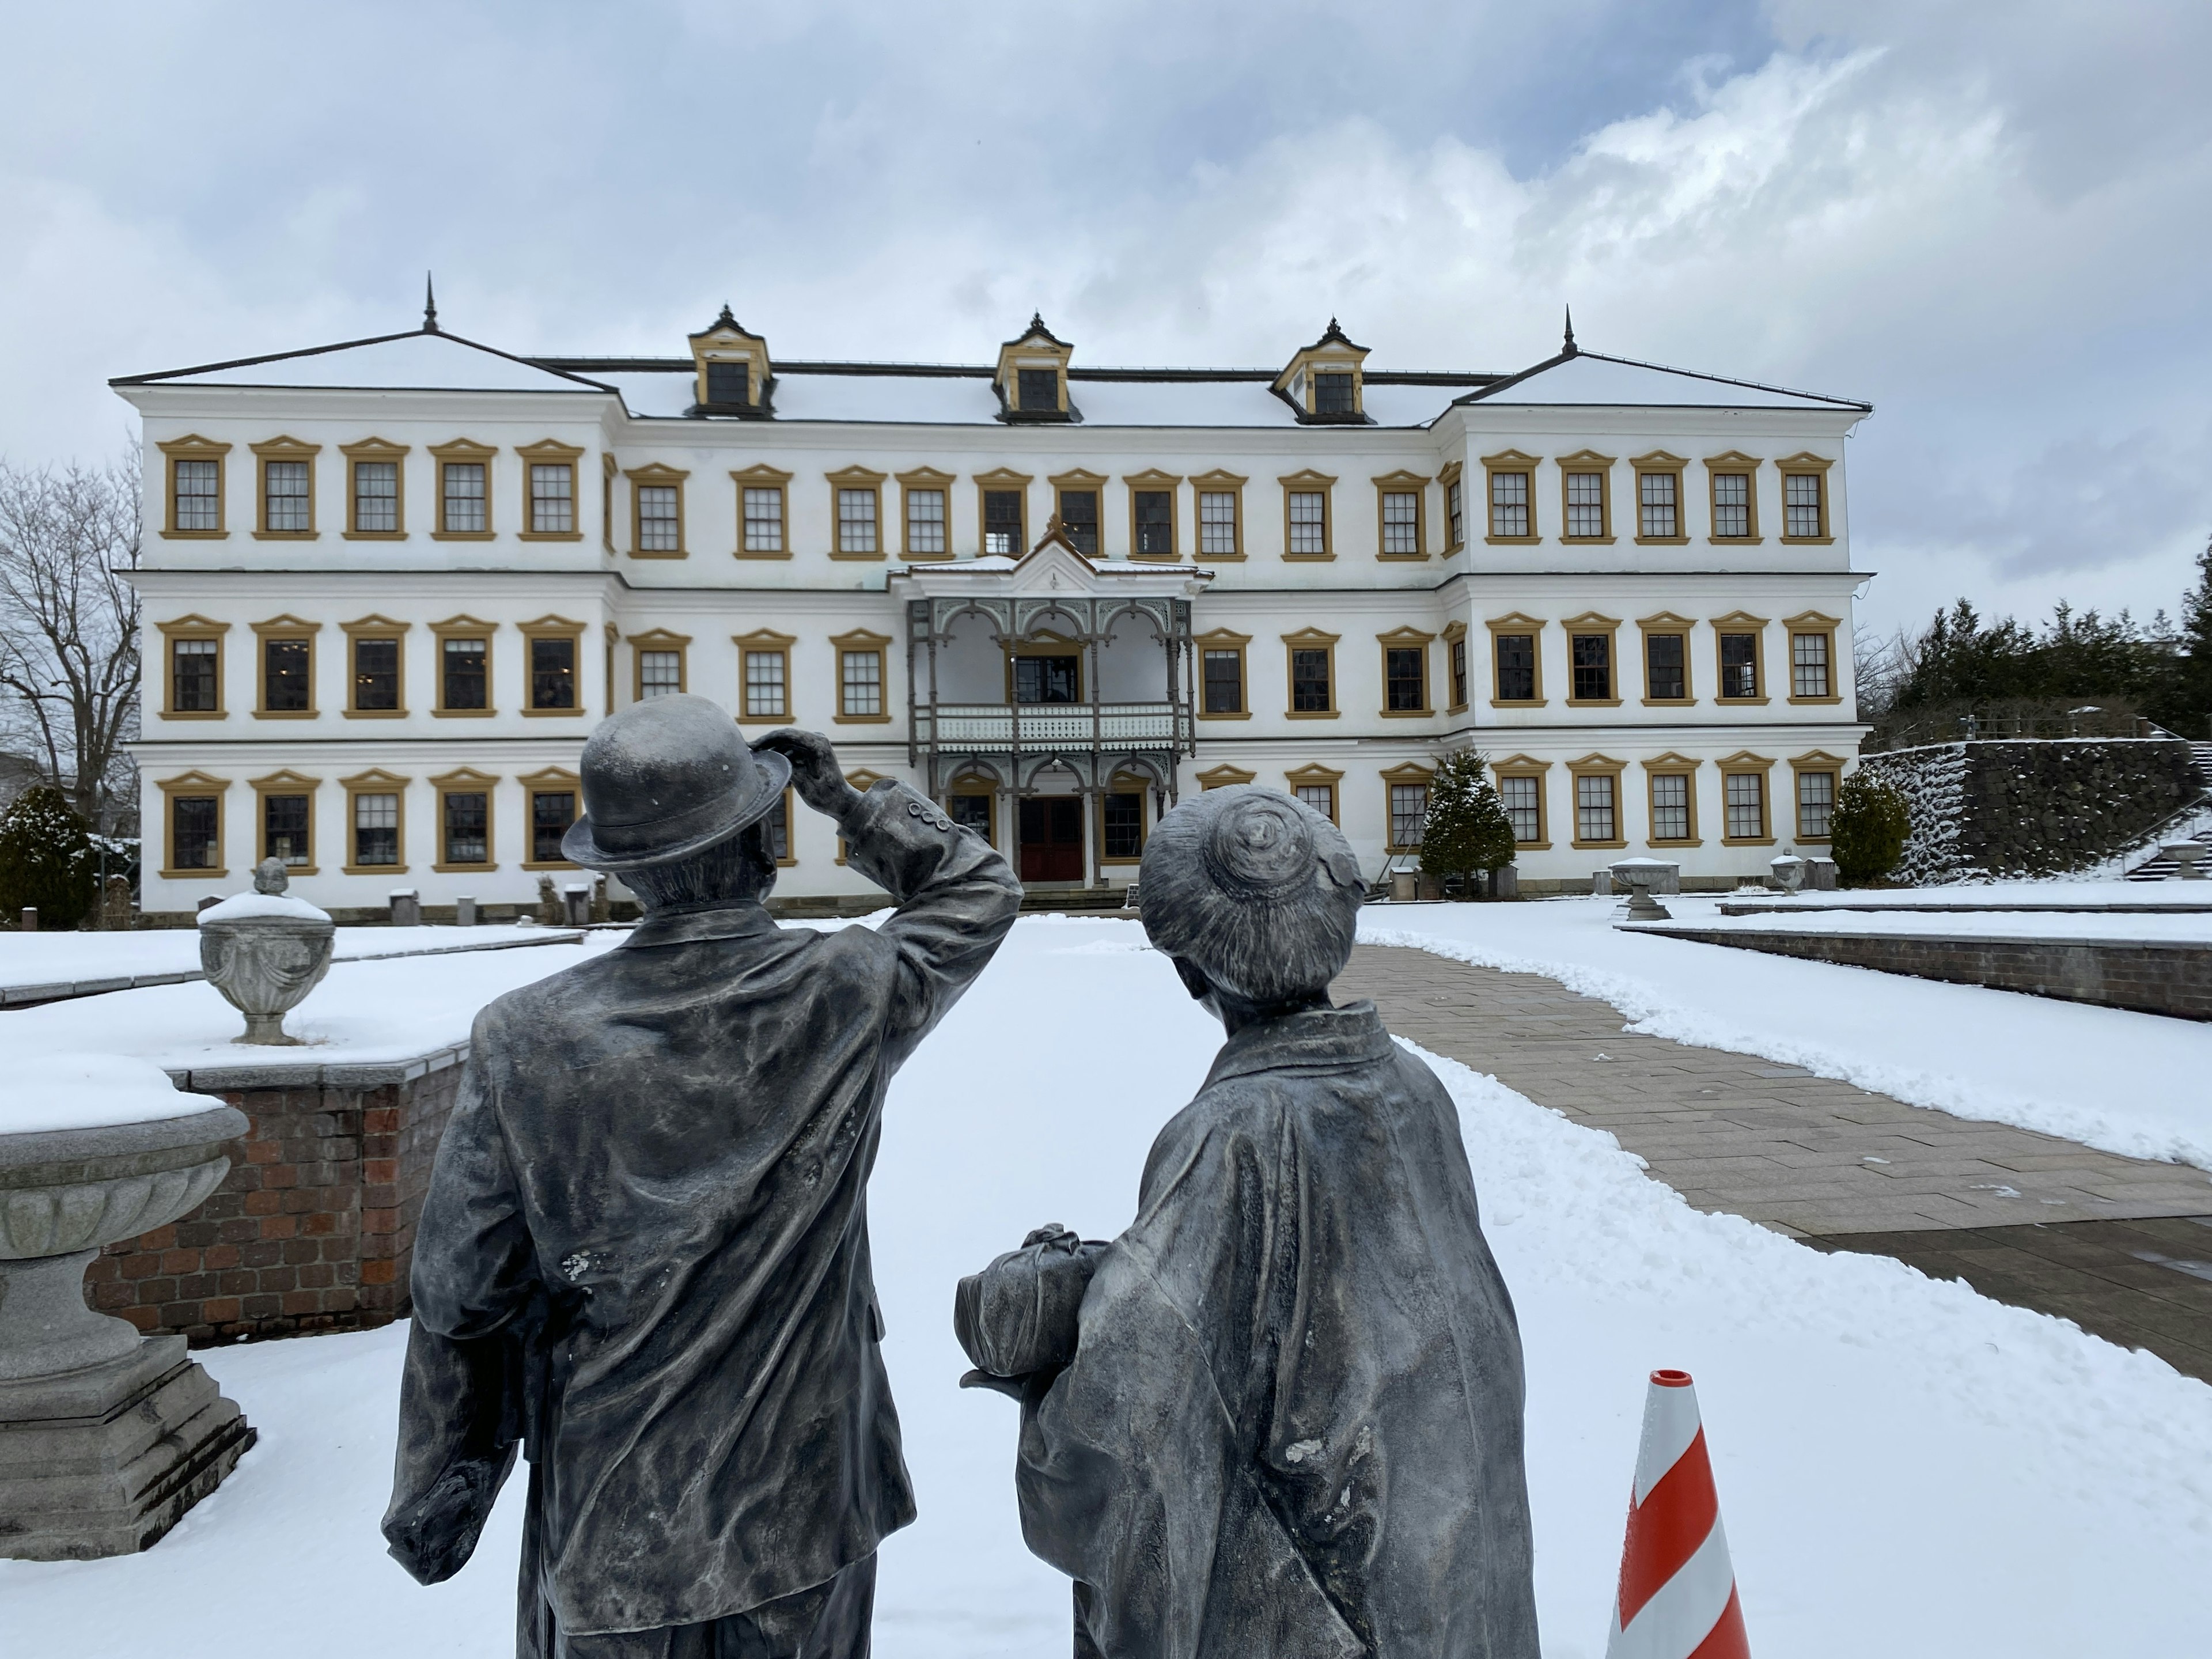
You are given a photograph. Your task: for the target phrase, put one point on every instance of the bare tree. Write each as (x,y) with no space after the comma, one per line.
(69,627)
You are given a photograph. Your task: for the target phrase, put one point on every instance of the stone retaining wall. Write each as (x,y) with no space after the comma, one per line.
(313,1227)
(2149,976)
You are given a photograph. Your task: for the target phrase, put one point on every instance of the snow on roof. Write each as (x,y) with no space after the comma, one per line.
(420,360)
(1589,378)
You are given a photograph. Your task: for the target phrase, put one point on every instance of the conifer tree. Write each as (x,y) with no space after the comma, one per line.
(47,860)
(1468,827)
(1867,830)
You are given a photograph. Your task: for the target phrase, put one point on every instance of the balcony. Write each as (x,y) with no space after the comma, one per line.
(1005,728)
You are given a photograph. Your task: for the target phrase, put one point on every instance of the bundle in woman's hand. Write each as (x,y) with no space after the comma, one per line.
(1018,1318)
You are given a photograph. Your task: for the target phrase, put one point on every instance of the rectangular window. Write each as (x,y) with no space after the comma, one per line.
(861,684)
(1586,504)
(1731,505)
(1665,677)
(1808,665)
(779,830)
(192,824)
(553,673)
(375,829)
(286,510)
(1816,798)
(467,826)
(1659,511)
(284,828)
(856,521)
(1455,513)
(925,521)
(763,517)
(1217,523)
(972,813)
(1523,802)
(730,385)
(1593,807)
(198,506)
(764,685)
(1078,517)
(1002,522)
(1409,814)
(1592,656)
(192,687)
(1321,797)
(1309,687)
(1332,394)
(552,498)
(1738,665)
(1224,682)
(660,521)
(376,497)
(1040,389)
(1405,679)
(1800,504)
(1053,679)
(1459,674)
(1401,522)
(1124,836)
(1745,795)
(285,688)
(464,684)
(552,812)
(661,673)
(1670,806)
(1308,524)
(376,676)
(1155,511)
(462,498)
(1516,667)
(1509,506)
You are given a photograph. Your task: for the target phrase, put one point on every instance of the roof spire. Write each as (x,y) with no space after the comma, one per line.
(429,306)
(726,320)
(1570,348)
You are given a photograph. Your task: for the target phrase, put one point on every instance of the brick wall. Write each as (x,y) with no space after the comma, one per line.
(313,1227)
(2151,977)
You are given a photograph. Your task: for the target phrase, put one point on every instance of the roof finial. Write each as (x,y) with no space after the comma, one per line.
(429,306)
(1036,322)
(726,320)
(1570,348)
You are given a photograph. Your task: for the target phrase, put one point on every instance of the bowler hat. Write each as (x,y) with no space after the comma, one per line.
(668,778)
(1255,890)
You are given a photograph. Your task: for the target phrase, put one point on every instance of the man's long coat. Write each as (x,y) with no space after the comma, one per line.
(1293,1425)
(645,1243)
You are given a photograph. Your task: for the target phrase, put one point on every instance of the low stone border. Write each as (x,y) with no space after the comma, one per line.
(2150,976)
(2029,907)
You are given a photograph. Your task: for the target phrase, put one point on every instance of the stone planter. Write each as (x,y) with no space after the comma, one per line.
(107,1437)
(264,952)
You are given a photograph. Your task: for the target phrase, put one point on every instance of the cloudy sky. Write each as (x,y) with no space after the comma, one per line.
(1993,221)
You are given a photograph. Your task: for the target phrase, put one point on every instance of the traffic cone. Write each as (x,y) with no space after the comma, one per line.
(1677,1598)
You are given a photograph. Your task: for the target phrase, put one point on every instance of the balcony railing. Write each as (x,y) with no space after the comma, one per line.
(996,727)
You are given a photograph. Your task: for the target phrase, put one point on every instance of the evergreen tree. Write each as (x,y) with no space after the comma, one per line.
(1867,830)
(47,860)
(2192,711)
(1468,827)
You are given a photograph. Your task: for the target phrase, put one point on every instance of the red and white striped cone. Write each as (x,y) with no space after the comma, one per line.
(1677,1598)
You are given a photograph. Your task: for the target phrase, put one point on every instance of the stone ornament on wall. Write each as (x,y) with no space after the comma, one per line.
(265,950)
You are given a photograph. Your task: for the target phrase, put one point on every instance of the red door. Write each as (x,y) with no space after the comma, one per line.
(1052,838)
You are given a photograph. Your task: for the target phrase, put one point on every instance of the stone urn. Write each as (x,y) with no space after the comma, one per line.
(107,1437)
(2188,857)
(265,950)
(1789,873)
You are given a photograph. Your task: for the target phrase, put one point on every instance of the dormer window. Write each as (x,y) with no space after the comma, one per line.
(1031,379)
(734,378)
(1322,382)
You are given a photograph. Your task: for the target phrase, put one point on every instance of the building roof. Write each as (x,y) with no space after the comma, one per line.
(420,360)
(1591,380)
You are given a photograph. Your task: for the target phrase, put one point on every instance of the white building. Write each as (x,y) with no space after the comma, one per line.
(391,584)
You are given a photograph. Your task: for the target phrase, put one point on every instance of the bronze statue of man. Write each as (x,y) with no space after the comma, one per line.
(644,1252)
(1285,1415)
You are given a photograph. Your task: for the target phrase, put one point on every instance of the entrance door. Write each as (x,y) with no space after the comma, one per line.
(1052,838)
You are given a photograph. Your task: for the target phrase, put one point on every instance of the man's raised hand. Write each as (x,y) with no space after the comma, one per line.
(814,770)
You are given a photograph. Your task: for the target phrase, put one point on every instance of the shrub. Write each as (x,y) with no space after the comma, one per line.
(1867,830)
(1467,828)
(46,860)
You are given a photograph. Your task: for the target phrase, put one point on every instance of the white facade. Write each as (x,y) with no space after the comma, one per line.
(255,570)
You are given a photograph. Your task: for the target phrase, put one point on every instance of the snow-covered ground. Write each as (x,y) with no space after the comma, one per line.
(2132,1083)
(2171,926)
(1905,1467)
(67,958)
(1991,895)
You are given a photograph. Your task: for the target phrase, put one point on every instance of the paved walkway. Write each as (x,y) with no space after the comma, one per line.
(1831,1163)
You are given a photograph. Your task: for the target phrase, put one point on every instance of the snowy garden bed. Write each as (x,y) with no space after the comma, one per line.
(1904,1467)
